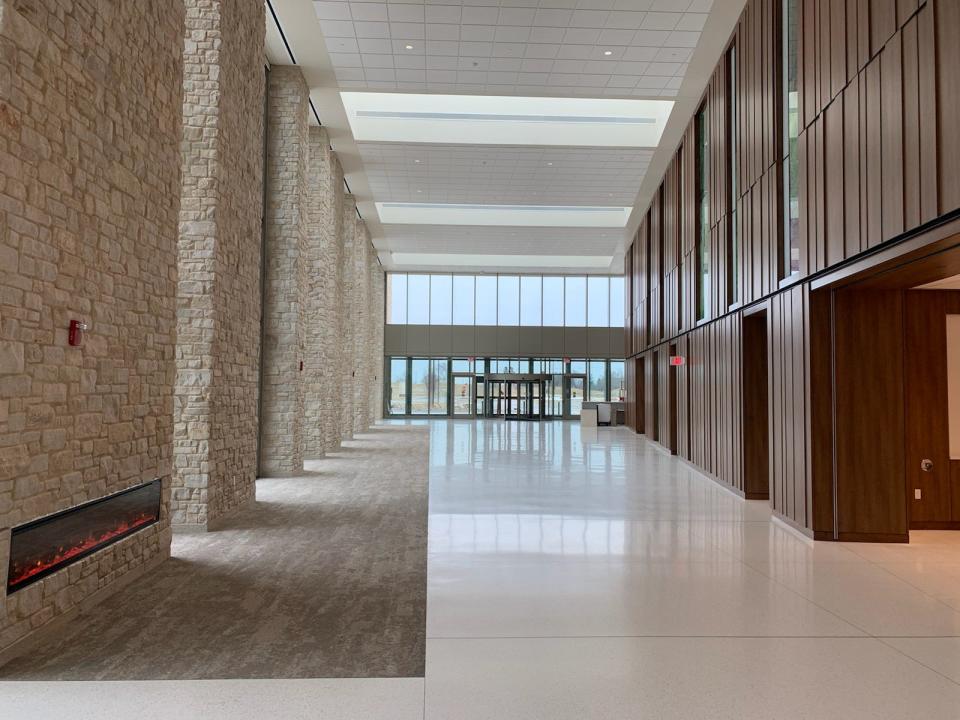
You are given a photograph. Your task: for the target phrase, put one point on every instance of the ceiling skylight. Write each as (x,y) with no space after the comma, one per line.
(513,215)
(505,120)
(513,261)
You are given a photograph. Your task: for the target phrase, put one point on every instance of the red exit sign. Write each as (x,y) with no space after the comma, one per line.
(677,360)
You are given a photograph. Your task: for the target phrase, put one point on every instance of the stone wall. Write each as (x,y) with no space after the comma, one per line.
(285,274)
(362,340)
(89,203)
(375,352)
(218,311)
(348,327)
(324,283)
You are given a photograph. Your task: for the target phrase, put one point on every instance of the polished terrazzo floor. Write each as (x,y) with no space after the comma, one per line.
(579,574)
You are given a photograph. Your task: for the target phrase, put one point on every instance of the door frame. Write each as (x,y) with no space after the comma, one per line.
(454,376)
(567,377)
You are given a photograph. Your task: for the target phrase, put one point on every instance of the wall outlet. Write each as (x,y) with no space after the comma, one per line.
(917,494)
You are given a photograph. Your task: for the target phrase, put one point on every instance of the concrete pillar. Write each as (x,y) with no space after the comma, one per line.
(324,279)
(218,293)
(285,274)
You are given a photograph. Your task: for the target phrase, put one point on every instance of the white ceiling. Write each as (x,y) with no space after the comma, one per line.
(513,47)
(548,48)
(495,175)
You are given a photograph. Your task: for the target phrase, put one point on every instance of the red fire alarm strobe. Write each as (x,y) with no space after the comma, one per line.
(677,360)
(75,336)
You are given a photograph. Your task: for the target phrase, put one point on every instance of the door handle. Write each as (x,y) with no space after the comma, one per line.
(926,465)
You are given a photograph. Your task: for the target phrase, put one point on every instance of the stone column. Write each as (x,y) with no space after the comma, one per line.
(285,274)
(218,294)
(324,280)
(362,341)
(348,327)
(377,306)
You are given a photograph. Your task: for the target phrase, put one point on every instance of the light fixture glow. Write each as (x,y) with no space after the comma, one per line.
(608,52)
(409,47)
(503,261)
(402,213)
(504,120)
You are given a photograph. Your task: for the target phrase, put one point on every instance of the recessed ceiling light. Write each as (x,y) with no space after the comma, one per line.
(605,52)
(549,163)
(416,161)
(409,47)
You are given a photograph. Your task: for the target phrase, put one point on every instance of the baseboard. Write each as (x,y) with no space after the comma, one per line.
(60,622)
(805,534)
(863,537)
(736,492)
(935,525)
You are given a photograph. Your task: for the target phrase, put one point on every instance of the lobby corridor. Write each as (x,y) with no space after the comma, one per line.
(583,574)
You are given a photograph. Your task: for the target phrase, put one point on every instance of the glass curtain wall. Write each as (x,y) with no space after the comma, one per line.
(506,300)
(790,254)
(423,386)
(428,386)
(598,380)
(397,401)
(617,383)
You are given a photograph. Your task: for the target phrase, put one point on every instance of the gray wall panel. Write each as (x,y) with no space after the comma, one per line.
(598,342)
(575,342)
(551,339)
(508,341)
(463,340)
(440,340)
(531,342)
(480,341)
(395,339)
(418,339)
(486,341)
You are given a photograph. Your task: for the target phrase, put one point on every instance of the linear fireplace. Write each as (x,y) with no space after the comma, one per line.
(46,545)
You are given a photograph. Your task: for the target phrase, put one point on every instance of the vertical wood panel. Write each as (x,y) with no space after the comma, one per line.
(851,169)
(911,127)
(874,174)
(835,185)
(874,161)
(891,134)
(948,101)
(929,191)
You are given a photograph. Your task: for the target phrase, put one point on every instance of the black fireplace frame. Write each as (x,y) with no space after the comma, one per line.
(47,519)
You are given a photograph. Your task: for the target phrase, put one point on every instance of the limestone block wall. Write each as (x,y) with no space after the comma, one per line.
(375,352)
(89,205)
(347,312)
(218,308)
(285,274)
(324,289)
(362,322)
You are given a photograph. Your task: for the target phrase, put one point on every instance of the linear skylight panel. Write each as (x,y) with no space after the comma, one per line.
(505,120)
(578,216)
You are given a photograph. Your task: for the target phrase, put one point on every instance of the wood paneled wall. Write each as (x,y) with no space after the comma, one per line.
(879,91)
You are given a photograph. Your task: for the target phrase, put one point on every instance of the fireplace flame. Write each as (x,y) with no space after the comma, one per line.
(20,573)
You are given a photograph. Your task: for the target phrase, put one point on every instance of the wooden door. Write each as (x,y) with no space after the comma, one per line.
(927,443)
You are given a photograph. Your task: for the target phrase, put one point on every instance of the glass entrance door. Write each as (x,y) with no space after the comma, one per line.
(463,395)
(575,389)
(553,397)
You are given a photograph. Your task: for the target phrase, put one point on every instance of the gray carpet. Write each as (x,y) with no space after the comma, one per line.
(325,576)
